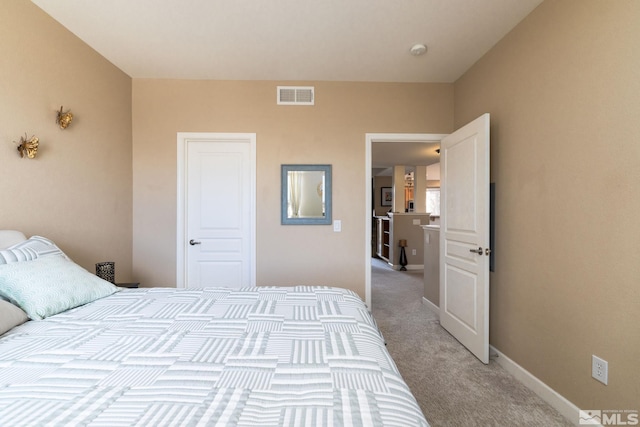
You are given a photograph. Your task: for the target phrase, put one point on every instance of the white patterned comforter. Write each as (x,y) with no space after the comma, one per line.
(265,356)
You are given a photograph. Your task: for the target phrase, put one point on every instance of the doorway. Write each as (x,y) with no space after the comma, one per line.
(370,139)
(464,235)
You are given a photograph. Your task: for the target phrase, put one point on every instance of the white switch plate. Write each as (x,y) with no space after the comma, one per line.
(337,225)
(416,222)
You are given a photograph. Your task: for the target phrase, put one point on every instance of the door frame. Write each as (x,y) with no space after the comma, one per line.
(183,138)
(370,138)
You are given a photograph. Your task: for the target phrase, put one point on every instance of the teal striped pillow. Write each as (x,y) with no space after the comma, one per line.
(50,285)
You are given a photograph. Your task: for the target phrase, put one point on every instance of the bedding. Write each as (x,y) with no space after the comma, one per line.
(262,356)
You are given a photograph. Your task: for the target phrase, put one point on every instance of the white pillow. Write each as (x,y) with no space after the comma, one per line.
(10,316)
(50,285)
(30,249)
(10,238)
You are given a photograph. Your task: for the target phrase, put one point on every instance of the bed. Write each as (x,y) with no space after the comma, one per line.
(261,356)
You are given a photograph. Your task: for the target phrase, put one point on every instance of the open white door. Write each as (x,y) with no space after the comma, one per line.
(464,236)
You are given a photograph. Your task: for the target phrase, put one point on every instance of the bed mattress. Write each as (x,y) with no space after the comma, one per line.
(263,356)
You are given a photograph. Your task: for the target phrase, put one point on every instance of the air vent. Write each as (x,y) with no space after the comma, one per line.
(295,95)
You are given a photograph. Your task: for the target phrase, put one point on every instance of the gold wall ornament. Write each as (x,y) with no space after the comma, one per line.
(28,147)
(64,118)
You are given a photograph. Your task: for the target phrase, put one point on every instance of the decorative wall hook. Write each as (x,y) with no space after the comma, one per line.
(64,118)
(28,146)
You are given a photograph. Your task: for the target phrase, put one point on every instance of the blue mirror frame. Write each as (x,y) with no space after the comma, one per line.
(286,218)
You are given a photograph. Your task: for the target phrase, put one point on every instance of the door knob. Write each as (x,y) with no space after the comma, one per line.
(193,242)
(477,251)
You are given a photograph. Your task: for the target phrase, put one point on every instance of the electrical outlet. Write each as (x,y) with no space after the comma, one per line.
(413,251)
(600,369)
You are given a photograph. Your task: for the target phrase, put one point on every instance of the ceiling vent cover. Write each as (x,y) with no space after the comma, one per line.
(296,95)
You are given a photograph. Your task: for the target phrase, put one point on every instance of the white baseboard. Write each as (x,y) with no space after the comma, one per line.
(546,393)
(432,306)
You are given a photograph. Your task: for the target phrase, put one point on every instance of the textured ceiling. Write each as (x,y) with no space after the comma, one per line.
(304,40)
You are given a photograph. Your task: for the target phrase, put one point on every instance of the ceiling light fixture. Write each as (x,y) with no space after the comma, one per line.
(418,49)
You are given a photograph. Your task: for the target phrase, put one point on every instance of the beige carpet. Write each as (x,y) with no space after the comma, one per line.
(452,387)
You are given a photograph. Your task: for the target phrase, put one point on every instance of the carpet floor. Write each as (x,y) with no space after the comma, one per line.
(452,387)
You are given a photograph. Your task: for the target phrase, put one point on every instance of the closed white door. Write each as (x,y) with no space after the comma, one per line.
(218,231)
(464,236)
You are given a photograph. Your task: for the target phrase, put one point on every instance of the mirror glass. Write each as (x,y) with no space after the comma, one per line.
(306,194)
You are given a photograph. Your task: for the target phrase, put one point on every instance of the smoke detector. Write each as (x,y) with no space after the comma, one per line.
(418,49)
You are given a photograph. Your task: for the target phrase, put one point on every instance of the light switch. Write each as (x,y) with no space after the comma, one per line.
(337,225)
(416,221)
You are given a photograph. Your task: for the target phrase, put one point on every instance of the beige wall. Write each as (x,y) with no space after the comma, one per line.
(403,228)
(77,191)
(431,275)
(564,96)
(331,132)
(378,183)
